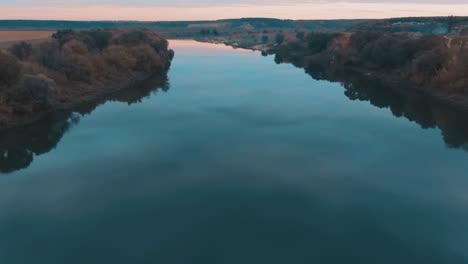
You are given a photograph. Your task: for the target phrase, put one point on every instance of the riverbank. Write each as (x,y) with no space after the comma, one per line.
(76,67)
(433,66)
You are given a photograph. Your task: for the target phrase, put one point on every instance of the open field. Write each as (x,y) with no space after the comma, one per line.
(8,37)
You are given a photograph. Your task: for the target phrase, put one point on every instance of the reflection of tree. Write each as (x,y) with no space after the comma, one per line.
(413,105)
(19,146)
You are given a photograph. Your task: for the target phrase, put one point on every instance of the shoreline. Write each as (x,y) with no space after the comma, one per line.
(75,67)
(397,84)
(100,92)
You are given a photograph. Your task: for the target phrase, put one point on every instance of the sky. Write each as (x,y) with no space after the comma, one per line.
(158,10)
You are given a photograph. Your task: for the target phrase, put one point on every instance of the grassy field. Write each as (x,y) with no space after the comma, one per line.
(9,37)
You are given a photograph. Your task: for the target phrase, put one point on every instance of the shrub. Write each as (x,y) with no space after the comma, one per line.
(62,36)
(21,50)
(158,43)
(279,38)
(75,46)
(300,35)
(319,41)
(119,57)
(360,39)
(132,38)
(93,39)
(170,55)
(147,60)
(10,69)
(426,65)
(50,55)
(36,88)
(101,38)
(78,68)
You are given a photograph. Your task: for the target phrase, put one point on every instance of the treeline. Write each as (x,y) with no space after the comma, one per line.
(76,63)
(430,62)
(426,25)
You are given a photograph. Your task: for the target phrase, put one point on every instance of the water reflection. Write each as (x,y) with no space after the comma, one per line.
(402,102)
(244,161)
(19,146)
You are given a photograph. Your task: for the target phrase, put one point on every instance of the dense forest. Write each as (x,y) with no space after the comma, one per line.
(73,65)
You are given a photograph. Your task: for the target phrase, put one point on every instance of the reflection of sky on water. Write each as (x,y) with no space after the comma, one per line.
(241,160)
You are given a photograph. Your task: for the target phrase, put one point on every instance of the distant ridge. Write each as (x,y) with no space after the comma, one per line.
(425,25)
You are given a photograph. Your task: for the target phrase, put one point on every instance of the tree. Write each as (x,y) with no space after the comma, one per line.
(279,38)
(265,39)
(10,69)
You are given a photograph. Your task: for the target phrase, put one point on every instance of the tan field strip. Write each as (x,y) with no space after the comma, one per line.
(8,37)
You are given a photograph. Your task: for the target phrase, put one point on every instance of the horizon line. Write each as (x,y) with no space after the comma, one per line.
(233,18)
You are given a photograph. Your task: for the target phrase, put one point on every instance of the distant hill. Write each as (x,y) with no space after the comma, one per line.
(425,25)
(256,23)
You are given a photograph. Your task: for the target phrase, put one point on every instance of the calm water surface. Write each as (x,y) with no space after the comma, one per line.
(239,160)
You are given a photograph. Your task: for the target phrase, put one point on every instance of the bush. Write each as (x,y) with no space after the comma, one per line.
(50,55)
(279,38)
(147,60)
(132,38)
(158,43)
(10,69)
(360,39)
(78,68)
(318,42)
(82,55)
(75,47)
(426,65)
(119,57)
(93,39)
(101,38)
(36,88)
(62,36)
(21,50)
(300,35)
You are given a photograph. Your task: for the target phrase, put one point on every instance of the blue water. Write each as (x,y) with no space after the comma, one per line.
(240,161)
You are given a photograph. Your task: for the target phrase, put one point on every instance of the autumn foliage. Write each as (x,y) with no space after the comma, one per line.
(89,56)
(436,63)
(72,64)
(10,70)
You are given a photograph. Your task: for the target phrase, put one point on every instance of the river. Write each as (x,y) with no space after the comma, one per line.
(237,159)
